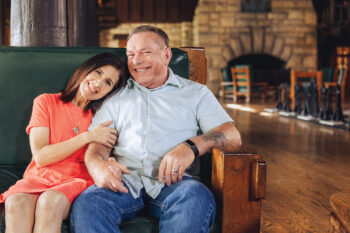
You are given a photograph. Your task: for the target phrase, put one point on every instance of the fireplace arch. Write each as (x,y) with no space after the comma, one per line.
(264,68)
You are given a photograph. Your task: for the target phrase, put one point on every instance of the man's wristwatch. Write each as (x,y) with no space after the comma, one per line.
(193,147)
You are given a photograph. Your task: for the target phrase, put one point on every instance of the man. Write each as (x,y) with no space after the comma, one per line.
(158,115)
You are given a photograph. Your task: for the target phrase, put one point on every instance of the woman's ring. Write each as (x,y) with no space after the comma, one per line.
(173,171)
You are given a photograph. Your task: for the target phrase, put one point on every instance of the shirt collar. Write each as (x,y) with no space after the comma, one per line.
(172,80)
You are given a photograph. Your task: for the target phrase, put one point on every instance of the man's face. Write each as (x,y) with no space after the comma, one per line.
(148,59)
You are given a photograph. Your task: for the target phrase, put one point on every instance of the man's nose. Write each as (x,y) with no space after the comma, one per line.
(137,59)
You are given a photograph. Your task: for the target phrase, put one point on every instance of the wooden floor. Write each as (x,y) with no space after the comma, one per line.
(306,164)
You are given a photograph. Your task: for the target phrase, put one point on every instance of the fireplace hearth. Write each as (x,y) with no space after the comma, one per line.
(264,68)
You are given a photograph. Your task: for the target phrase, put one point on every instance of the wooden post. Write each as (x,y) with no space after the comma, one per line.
(5,22)
(53,23)
(1,22)
(38,23)
(82,27)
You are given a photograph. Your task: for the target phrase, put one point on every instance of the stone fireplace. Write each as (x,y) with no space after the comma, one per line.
(264,68)
(287,32)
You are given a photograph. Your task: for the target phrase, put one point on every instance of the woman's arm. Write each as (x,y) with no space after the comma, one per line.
(46,154)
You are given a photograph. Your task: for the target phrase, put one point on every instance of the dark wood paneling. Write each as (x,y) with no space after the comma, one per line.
(151,10)
(122,10)
(173,10)
(160,10)
(186,9)
(147,10)
(135,10)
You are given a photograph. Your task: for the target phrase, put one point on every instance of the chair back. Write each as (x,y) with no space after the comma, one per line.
(226,74)
(327,74)
(301,78)
(340,76)
(241,79)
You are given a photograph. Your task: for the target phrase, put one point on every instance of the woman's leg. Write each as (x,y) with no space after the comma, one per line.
(19,212)
(52,208)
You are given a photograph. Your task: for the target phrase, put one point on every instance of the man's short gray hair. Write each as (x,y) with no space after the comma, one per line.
(149,28)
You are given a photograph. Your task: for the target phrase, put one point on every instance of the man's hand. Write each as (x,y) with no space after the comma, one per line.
(112,178)
(174,164)
(106,172)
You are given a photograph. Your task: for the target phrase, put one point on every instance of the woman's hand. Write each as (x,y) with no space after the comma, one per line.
(103,134)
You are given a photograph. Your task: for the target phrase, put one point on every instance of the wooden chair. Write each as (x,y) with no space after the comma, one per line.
(226,83)
(243,85)
(302,77)
(339,78)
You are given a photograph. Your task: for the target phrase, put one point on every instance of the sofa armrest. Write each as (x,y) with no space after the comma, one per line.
(239,184)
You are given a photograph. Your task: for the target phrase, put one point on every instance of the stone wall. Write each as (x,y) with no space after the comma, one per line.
(287,32)
(180,34)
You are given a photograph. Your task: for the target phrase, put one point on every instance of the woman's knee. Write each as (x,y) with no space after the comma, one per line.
(52,202)
(20,203)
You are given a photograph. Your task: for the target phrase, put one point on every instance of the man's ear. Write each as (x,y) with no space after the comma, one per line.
(168,55)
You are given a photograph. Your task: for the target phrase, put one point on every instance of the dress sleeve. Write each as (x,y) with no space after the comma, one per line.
(40,114)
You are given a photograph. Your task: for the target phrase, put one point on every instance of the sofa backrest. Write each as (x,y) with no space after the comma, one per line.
(26,72)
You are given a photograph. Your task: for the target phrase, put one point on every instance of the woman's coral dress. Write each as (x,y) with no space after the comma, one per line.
(69,176)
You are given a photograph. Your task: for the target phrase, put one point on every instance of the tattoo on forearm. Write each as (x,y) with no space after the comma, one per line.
(218,138)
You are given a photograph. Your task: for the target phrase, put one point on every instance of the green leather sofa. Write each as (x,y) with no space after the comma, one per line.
(26,72)
(238,180)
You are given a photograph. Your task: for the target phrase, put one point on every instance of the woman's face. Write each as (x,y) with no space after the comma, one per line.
(99,82)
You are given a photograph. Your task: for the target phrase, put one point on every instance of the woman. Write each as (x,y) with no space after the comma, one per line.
(58,139)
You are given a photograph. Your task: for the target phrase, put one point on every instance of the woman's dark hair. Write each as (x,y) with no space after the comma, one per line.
(86,68)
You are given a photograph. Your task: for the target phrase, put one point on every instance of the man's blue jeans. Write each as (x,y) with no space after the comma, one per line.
(183,207)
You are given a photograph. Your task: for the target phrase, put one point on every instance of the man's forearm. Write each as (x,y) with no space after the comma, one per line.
(225,137)
(96,160)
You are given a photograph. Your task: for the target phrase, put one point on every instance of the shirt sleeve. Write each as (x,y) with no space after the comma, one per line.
(40,114)
(105,113)
(210,113)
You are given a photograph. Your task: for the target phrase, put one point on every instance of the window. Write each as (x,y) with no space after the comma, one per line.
(256,5)
(343,53)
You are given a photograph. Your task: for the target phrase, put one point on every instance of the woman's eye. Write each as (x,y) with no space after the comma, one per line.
(108,82)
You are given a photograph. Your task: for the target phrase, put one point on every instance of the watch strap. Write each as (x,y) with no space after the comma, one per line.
(193,147)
